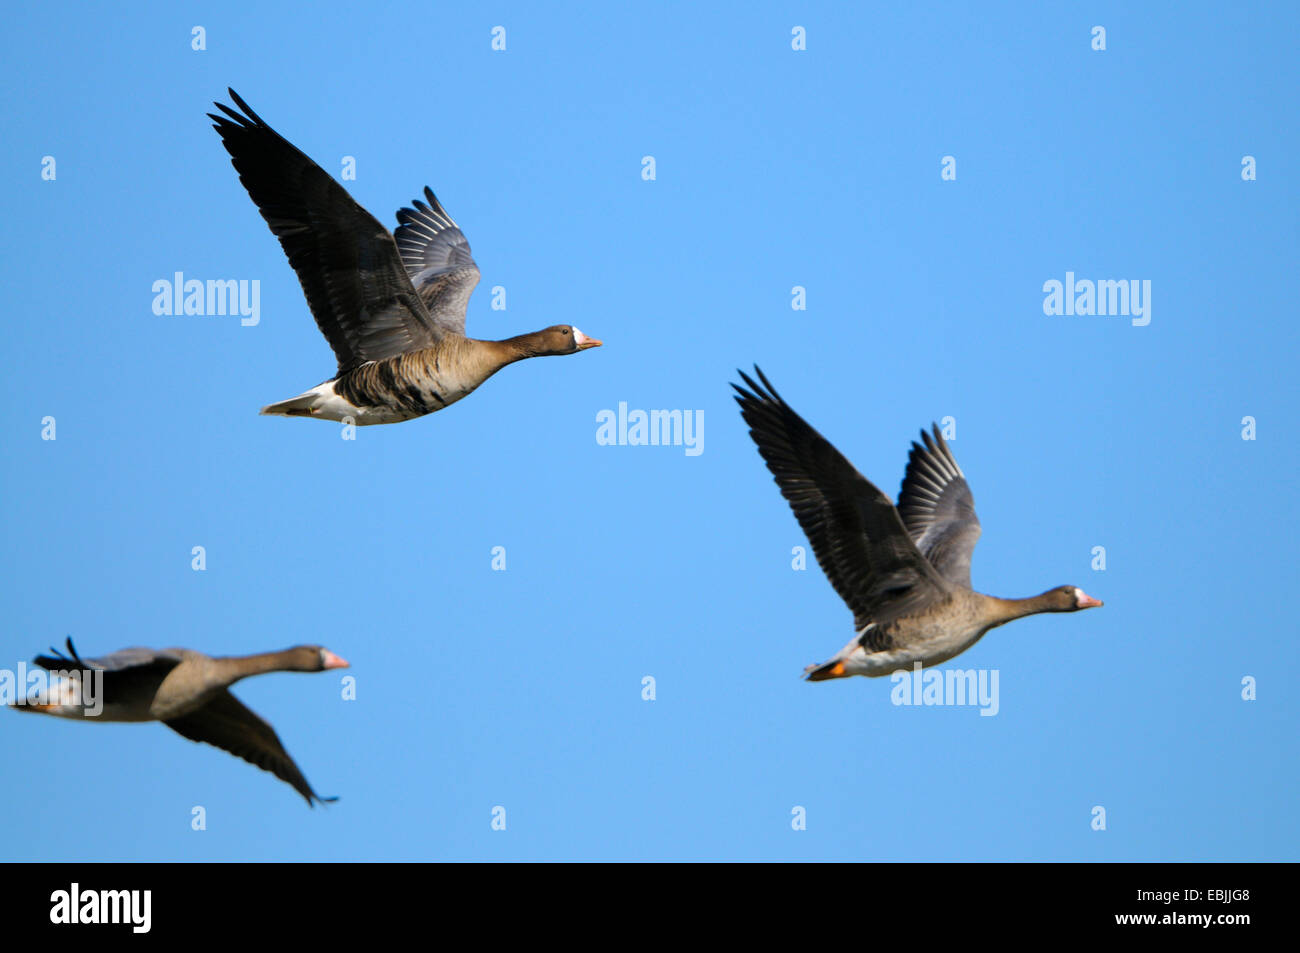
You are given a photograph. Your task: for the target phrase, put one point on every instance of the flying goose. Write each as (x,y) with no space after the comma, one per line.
(189,692)
(393,309)
(905,570)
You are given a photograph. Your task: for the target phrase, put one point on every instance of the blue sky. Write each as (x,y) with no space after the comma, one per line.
(774,168)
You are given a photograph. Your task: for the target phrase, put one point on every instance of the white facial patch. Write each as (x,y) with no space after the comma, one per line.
(579,338)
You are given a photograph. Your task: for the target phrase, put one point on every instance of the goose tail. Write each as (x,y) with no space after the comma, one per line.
(820,673)
(301,406)
(320,401)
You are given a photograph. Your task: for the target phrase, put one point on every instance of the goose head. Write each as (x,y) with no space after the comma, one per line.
(562,339)
(313,658)
(1068,599)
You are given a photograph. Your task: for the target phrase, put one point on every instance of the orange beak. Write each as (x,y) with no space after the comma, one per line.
(333,661)
(1088,602)
(583,341)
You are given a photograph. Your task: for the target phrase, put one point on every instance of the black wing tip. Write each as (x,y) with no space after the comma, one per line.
(243,117)
(437,206)
(762,406)
(426,212)
(749,399)
(232,117)
(742,394)
(932,445)
(761,392)
(58,658)
(942,448)
(247,109)
(934,455)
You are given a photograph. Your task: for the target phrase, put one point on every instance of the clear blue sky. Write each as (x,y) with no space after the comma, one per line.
(775,168)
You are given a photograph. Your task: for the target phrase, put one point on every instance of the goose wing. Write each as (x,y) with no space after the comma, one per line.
(937,508)
(131,676)
(854,529)
(226,723)
(347,262)
(437,257)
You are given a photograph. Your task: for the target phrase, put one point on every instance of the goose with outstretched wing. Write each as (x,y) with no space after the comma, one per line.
(187,691)
(391,307)
(903,570)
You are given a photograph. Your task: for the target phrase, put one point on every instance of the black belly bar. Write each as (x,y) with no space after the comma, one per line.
(380,385)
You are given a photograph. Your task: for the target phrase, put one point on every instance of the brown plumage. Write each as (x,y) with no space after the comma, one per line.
(189,692)
(904,571)
(391,307)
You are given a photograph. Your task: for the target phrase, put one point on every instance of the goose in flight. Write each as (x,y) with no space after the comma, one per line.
(392,308)
(187,691)
(903,570)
